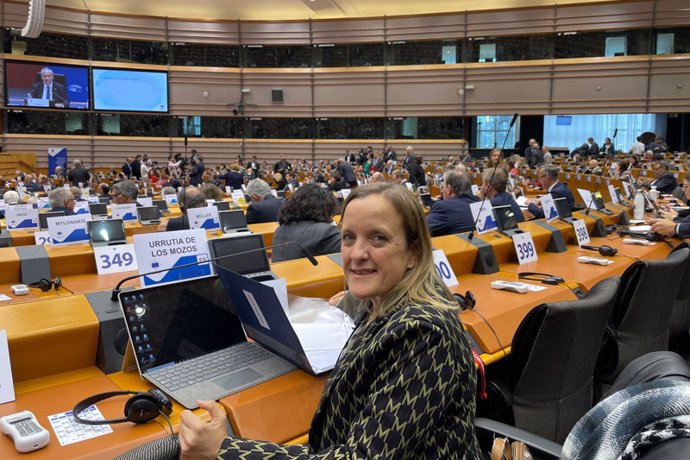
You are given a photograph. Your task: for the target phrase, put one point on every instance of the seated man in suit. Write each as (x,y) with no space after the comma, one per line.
(264,206)
(188,198)
(124,192)
(452,214)
(62,199)
(548,178)
(494,188)
(664,181)
(674,223)
(49,89)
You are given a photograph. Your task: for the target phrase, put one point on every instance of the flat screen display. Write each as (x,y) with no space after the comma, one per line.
(563,208)
(43,85)
(130,90)
(564,120)
(105,231)
(254,262)
(505,217)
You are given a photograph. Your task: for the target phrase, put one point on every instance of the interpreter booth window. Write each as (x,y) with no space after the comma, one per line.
(491,130)
(114,124)
(46,44)
(144,52)
(572,131)
(277,56)
(279,128)
(209,127)
(353,55)
(487,52)
(524,48)
(200,55)
(615,46)
(349,128)
(416,53)
(43,122)
(672,41)
(424,128)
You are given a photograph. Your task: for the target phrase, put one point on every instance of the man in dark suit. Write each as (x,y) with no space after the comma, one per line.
(548,178)
(188,198)
(61,199)
(196,175)
(49,89)
(494,188)
(264,206)
(136,167)
(409,157)
(673,222)
(452,214)
(233,178)
(390,154)
(346,172)
(533,154)
(665,182)
(31,185)
(78,174)
(126,168)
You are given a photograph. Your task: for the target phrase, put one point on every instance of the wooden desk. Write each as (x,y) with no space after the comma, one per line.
(504,310)
(23,237)
(306,280)
(91,282)
(266,230)
(50,336)
(461,254)
(74,259)
(60,398)
(9,266)
(33,295)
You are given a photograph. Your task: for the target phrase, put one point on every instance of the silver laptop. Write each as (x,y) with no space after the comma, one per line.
(233,221)
(162,206)
(189,342)
(254,265)
(149,215)
(98,210)
(108,232)
(44,216)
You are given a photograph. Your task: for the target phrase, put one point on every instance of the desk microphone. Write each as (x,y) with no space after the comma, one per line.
(306,252)
(491,179)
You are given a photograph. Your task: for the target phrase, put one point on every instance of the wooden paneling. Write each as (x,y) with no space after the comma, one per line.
(348,31)
(669,86)
(606,16)
(77,146)
(671,13)
(296,86)
(425,90)
(11,162)
(128,27)
(187,86)
(431,27)
(194,31)
(348,94)
(516,22)
(275,33)
(15,14)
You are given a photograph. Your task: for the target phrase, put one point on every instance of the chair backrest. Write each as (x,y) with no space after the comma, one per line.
(680,315)
(639,322)
(551,367)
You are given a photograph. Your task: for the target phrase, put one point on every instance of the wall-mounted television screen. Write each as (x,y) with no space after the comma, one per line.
(130,90)
(44,85)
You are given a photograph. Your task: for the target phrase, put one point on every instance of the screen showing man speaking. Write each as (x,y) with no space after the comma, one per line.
(44,85)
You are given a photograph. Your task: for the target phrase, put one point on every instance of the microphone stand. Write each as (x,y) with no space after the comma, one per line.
(481,206)
(117,290)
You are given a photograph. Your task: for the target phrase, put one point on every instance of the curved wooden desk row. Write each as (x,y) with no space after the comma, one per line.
(53,341)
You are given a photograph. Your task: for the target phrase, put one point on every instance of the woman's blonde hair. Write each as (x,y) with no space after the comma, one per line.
(421,284)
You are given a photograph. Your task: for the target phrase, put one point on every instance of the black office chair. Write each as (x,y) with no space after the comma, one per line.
(680,314)
(549,382)
(648,368)
(639,322)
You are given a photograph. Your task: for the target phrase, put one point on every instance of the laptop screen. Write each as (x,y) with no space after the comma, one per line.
(505,218)
(246,264)
(231,220)
(98,209)
(148,213)
(222,205)
(43,218)
(176,322)
(563,208)
(162,205)
(104,231)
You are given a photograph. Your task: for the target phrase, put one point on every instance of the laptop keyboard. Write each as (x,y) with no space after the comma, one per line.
(207,367)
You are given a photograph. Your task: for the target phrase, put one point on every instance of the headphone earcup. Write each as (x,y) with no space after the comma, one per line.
(461,300)
(607,251)
(56,283)
(43,284)
(142,408)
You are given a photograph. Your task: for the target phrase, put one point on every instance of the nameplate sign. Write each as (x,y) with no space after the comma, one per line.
(549,207)
(43,202)
(483,215)
(157,251)
(170,198)
(19,216)
(68,229)
(115,259)
(82,207)
(612,193)
(206,218)
(42,237)
(238,197)
(124,211)
(581,232)
(443,268)
(145,201)
(524,248)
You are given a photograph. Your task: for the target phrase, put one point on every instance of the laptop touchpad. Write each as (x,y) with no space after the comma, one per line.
(237,379)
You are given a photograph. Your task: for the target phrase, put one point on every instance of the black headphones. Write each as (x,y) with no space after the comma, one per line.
(467,301)
(140,408)
(46,285)
(543,278)
(604,250)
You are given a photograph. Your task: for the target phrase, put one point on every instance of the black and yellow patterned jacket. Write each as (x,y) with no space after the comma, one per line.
(403,387)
